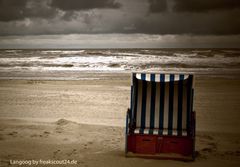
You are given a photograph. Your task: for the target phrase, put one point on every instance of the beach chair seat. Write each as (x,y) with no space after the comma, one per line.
(149,131)
(161,120)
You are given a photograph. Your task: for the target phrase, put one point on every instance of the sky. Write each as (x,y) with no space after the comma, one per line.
(119,23)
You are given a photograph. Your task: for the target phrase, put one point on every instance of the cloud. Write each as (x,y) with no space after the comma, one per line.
(157,5)
(11,10)
(67,5)
(42,17)
(216,23)
(116,21)
(205,5)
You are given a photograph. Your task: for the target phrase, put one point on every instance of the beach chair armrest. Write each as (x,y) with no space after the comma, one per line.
(193,124)
(131,124)
(128,111)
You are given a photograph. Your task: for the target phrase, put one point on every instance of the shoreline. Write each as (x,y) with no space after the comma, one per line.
(110,75)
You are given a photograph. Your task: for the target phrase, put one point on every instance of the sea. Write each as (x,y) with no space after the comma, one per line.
(77,64)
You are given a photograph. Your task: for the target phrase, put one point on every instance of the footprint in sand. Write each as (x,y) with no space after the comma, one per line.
(4,162)
(55,153)
(14,134)
(12,156)
(228,154)
(232,153)
(34,135)
(81,162)
(44,134)
(1,137)
(59,130)
(85,146)
(207,137)
(200,155)
(73,152)
(210,148)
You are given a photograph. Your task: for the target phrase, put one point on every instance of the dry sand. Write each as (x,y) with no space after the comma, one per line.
(84,121)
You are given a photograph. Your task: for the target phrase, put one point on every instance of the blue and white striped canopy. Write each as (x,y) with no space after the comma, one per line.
(161,103)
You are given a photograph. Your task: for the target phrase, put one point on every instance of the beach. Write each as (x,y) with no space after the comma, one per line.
(109,83)
(84,121)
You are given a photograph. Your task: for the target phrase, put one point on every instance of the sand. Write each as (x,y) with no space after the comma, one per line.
(84,121)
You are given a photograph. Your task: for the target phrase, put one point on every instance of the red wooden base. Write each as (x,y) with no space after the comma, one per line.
(154,144)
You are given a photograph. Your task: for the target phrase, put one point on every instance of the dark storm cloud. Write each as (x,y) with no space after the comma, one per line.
(157,5)
(224,23)
(193,5)
(205,5)
(192,17)
(84,4)
(202,17)
(11,10)
(20,9)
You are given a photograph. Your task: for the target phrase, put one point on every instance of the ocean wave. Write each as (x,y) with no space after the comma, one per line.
(13,51)
(185,54)
(236,51)
(202,51)
(63,51)
(117,60)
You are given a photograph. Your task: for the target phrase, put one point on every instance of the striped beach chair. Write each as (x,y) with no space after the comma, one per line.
(161,122)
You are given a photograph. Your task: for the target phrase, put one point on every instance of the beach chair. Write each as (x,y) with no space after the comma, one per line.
(161,122)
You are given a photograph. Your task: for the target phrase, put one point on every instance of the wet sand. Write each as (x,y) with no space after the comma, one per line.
(84,121)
